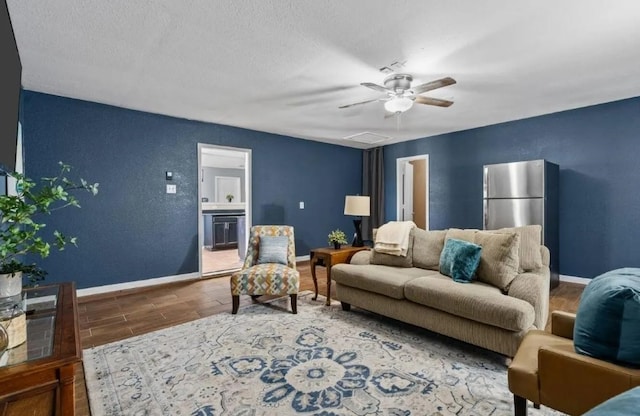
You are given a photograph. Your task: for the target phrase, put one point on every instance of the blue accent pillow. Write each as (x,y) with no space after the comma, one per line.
(607,324)
(624,404)
(273,249)
(460,259)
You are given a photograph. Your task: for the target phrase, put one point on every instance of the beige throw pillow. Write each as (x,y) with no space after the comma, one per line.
(530,241)
(427,246)
(499,258)
(397,261)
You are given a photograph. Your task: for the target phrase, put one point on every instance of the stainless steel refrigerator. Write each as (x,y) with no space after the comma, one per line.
(524,193)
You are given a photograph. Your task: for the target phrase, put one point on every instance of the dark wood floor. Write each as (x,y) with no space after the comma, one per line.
(119,315)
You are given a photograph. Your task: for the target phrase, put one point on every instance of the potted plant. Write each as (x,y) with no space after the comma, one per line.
(337,238)
(229,197)
(22,231)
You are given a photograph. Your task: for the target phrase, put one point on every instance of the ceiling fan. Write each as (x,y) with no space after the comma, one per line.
(401,96)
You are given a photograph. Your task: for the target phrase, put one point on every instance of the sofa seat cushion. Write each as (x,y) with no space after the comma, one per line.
(384,280)
(476,301)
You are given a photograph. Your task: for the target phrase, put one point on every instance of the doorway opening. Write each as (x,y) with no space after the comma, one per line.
(224,216)
(412,184)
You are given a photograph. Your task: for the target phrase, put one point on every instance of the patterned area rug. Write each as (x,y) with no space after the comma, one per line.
(321,362)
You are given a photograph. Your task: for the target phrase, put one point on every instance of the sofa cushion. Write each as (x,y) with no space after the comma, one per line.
(427,246)
(607,324)
(476,301)
(530,242)
(457,233)
(385,280)
(396,261)
(499,258)
(459,259)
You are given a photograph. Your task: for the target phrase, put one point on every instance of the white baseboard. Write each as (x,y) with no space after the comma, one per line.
(136,284)
(148,282)
(574,279)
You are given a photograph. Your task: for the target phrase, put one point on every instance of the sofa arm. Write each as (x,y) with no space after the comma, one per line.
(562,324)
(574,383)
(545,255)
(361,257)
(533,287)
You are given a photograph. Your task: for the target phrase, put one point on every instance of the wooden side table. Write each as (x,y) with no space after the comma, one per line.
(37,377)
(327,256)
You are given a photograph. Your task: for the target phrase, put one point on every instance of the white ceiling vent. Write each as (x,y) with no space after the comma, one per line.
(367,138)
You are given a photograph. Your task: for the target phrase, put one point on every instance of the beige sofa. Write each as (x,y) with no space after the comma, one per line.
(508,297)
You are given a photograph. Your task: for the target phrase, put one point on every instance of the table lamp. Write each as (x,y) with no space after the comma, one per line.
(358,206)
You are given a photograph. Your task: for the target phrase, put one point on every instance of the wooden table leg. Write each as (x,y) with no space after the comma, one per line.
(67,403)
(313,261)
(328,283)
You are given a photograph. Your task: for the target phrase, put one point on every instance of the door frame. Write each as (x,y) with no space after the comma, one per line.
(247,195)
(399,183)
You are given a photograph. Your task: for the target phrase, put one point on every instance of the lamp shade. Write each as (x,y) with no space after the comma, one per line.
(356,205)
(398,104)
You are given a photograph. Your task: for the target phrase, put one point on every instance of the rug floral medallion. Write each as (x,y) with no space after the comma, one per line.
(321,362)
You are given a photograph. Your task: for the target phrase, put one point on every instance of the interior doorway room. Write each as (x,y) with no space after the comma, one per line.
(224,192)
(413,190)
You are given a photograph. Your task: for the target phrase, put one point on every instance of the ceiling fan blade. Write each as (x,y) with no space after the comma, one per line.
(433,101)
(439,83)
(361,102)
(376,87)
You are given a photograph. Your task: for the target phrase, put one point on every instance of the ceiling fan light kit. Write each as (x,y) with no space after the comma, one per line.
(400,96)
(398,104)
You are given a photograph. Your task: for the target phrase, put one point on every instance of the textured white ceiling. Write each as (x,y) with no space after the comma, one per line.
(284,66)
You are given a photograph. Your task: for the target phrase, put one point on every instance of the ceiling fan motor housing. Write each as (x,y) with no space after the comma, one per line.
(398,82)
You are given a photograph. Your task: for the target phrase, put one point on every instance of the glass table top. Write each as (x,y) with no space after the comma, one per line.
(39,306)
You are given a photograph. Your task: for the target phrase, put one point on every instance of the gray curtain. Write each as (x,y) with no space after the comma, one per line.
(373,185)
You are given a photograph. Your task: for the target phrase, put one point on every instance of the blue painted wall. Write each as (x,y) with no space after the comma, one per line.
(598,150)
(133,230)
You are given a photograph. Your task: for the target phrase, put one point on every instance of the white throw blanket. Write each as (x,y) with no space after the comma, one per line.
(393,238)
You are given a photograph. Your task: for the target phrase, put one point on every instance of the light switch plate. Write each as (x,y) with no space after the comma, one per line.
(301,204)
(171,189)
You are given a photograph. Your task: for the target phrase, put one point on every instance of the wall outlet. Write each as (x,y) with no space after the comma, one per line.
(301,204)
(171,189)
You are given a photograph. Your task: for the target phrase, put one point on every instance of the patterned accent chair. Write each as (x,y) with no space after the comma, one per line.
(268,278)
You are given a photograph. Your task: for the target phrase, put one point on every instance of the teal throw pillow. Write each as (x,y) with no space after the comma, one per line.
(624,404)
(273,249)
(460,259)
(607,322)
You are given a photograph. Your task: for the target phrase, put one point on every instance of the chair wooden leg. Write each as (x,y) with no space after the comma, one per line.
(520,406)
(235,304)
(346,306)
(294,303)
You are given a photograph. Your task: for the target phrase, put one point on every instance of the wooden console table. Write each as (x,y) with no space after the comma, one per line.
(37,377)
(328,257)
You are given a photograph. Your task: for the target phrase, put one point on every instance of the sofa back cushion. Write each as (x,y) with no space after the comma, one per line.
(459,259)
(397,261)
(530,242)
(499,259)
(427,246)
(459,234)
